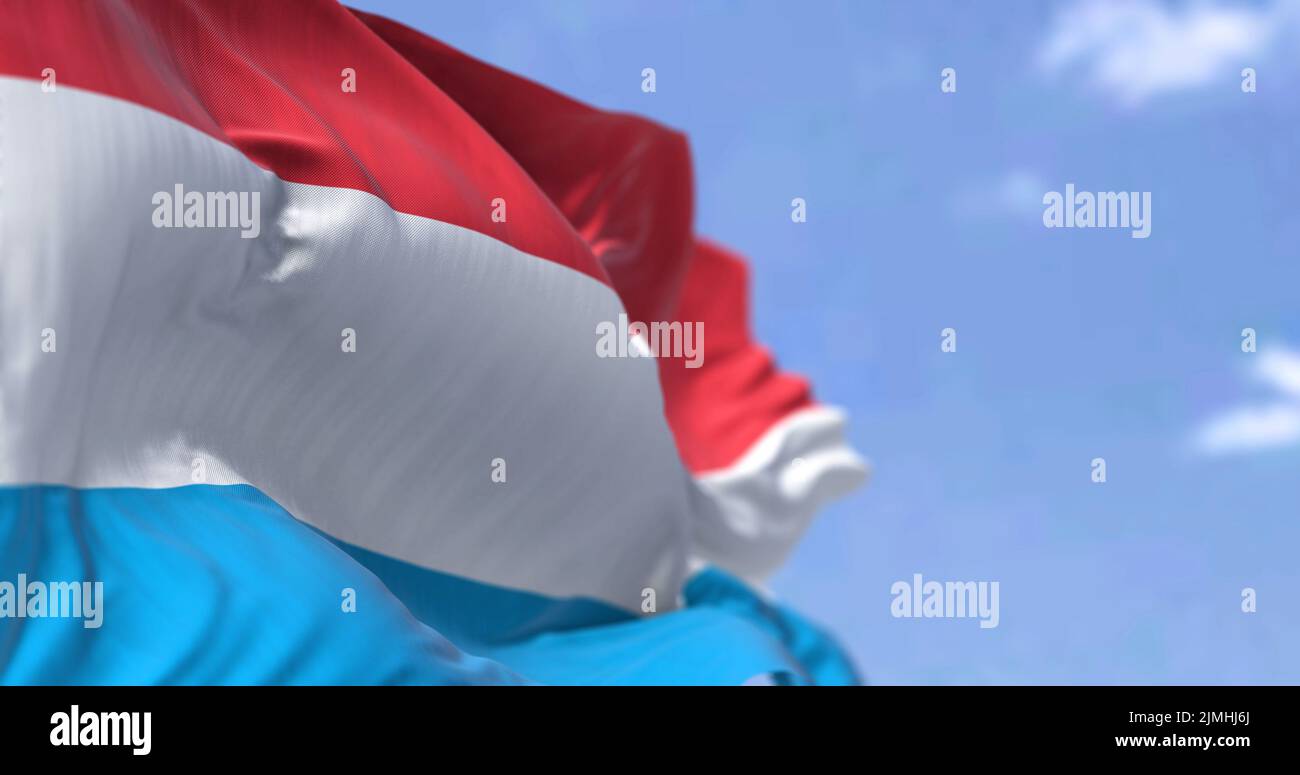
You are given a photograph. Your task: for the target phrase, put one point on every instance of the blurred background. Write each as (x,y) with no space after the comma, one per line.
(924,211)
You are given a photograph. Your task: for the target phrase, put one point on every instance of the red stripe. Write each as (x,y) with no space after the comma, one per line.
(719,410)
(623,182)
(264,76)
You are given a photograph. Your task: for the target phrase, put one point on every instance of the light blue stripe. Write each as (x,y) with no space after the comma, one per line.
(725,635)
(219,585)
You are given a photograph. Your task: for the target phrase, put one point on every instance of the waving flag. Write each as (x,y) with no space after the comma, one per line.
(301,316)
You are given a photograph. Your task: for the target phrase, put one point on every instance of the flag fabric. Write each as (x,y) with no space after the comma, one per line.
(300,316)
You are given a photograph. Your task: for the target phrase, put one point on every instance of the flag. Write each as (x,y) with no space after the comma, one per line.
(301,316)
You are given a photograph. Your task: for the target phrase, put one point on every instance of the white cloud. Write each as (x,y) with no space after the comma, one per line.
(1281,369)
(1251,428)
(1262,426)
(1137,48)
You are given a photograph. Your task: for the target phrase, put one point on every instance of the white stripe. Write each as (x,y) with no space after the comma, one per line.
(177,344)
(765,500)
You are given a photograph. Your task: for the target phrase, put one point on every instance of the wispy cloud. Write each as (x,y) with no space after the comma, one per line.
(1018,192)
(1133,49)
(1261,426)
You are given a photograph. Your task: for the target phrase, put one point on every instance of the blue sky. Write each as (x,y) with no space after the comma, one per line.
(924,212)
